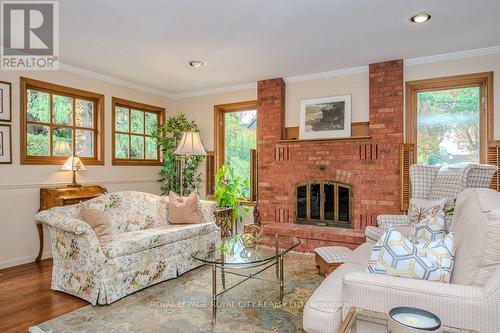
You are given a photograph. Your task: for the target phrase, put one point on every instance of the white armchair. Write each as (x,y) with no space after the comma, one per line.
(471,300)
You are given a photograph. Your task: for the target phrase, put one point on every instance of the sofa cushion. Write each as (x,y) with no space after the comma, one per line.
(430,229)
(99,222)
(137,241)
(184,210)
(396,255)
(131,211)
(420,209)
(323,311)
(477,233)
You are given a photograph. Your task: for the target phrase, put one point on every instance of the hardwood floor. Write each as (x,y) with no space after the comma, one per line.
(26,298)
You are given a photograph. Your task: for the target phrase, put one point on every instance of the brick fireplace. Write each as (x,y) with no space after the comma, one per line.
(370,165)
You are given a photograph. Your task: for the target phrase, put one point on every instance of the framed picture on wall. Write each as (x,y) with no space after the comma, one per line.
(325,118)
(5,101)
(5,144)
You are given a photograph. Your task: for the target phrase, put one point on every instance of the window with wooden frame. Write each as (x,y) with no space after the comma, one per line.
(450,119)
(235,140)
(59,121)
(133,126)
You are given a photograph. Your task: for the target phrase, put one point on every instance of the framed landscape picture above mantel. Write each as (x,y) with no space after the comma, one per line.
(325,118)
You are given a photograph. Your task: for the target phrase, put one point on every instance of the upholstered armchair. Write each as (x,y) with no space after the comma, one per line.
(432,182)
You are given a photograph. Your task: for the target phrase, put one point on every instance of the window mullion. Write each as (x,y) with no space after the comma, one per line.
(74,127)
(129,133)
(51,126)
(144,135)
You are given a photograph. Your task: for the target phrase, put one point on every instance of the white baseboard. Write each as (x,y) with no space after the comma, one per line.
(23,260)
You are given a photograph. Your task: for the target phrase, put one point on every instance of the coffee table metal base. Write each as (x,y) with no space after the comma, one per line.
(224,269)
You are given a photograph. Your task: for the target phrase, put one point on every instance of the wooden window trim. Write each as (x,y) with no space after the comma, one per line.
(98,99)
(115,101)
(219,124)
(483,80)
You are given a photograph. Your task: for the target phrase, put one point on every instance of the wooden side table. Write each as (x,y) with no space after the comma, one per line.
(64,196)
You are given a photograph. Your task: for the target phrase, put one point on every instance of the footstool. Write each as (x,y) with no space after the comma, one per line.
(328,258)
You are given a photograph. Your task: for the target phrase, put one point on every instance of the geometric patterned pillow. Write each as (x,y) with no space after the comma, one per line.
(430,229)
(442,253)
(396,255)
(420,209)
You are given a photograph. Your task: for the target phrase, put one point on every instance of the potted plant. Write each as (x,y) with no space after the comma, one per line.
(228,191)
(167,137)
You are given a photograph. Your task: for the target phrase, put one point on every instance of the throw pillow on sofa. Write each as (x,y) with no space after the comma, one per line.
(184,210)
(99,222)
(430,229)
(420,209)
(396,255)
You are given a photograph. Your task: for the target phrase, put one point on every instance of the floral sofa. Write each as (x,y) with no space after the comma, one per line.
(145,248)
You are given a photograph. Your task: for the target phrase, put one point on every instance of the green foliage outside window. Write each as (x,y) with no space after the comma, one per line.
(39,117)
(448,126)
(239,138)
(168,137)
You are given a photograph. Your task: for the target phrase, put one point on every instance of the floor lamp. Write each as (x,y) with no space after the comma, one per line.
(190,145)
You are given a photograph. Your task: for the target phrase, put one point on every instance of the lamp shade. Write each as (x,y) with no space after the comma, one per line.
(73,163)
(190,145)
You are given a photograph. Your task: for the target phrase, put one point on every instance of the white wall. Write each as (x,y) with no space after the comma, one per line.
(19,184)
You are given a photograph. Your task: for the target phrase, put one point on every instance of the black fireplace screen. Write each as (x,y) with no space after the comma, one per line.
(323,203)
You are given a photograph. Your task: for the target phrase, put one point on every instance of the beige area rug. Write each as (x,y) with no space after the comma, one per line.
(184,305)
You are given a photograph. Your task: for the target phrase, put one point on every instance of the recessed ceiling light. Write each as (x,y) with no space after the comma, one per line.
(196,63)
(420,18)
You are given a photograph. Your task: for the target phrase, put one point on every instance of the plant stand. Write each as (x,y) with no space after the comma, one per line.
(224,220)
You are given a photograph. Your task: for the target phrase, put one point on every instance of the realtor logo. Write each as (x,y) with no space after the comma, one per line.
(30,35)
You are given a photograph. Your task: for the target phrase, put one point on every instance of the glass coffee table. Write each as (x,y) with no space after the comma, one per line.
(232,256)
(361,320)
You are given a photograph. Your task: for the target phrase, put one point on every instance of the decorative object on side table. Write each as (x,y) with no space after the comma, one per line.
(413,320)
(5,144)
(64,196)
(5,101)
(362,320)
(190,145)
(73,164)
(227,193)
(325,118)
(252,235)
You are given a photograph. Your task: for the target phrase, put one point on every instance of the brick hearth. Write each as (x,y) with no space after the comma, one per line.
(371,166)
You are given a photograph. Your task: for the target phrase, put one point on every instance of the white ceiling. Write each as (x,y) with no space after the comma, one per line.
(151,42)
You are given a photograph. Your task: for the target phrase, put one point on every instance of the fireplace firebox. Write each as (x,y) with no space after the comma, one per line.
(324,203)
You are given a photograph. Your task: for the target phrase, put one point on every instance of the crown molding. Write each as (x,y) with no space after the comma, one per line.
(325,75)
(114,80)
(214,91)
(453,56)
(350,71)
(289,79)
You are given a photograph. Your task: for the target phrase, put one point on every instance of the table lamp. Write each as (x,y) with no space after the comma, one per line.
(74,164)
(190,145)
